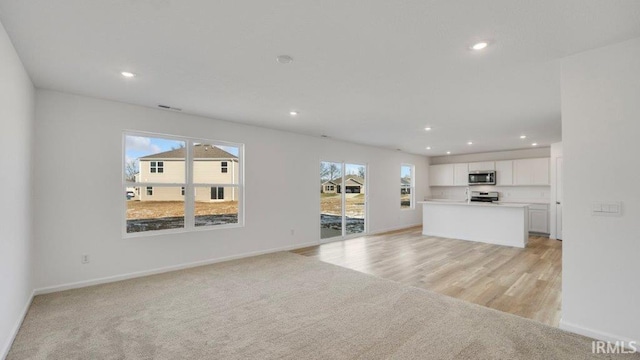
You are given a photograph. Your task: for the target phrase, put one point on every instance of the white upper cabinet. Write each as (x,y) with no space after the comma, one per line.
(522,172)
(449,175)
(480,166)
(531,171)
(441,175)
(460,174)
(504,172)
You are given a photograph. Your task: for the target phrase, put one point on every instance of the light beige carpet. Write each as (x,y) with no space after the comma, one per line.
(277,306)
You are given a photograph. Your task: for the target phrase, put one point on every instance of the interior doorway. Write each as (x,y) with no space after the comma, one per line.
(558,203)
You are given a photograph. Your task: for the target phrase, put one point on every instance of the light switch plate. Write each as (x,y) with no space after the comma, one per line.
(606,208)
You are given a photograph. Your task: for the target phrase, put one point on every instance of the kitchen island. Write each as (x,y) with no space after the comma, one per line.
(500,224)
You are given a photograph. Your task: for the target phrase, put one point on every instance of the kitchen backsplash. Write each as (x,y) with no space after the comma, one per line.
(507,193)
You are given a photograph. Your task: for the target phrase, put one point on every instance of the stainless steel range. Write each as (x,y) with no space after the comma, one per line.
(481,196)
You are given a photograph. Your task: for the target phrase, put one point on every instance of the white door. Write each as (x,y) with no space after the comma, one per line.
(559,198)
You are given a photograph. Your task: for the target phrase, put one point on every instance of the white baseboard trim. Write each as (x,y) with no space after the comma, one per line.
(14,332)
(382,231)
(110,279)
(595,334)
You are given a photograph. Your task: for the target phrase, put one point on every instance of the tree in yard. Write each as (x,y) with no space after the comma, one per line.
(130,170)
(328,171)
(361,171)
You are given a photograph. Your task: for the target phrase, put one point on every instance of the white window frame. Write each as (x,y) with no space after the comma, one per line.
(343,203)
(412,187)
(224,165)
(188,184)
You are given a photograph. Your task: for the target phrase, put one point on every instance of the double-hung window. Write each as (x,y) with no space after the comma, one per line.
(407,186)
(156,167)
(178,184)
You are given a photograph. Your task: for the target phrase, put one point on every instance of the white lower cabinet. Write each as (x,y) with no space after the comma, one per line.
(539,218)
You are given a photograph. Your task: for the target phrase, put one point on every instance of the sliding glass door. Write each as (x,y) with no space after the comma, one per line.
(331,223)
(343,194)
(355,196)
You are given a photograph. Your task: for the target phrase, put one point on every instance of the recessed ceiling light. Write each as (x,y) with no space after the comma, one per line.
(284,59)
(293,113)
(523,136)
(128,74)
(448,152)
(479,46)
(470,143)
(428,147)
(534,144)
(428,128)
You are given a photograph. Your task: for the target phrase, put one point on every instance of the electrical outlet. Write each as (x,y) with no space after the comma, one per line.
(85,259)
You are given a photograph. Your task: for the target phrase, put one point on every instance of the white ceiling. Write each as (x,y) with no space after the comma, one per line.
(368,71)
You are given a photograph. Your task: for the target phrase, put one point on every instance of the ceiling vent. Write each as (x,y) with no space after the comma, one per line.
(169,108)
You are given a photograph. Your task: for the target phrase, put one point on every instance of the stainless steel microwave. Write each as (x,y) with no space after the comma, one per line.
(482,177)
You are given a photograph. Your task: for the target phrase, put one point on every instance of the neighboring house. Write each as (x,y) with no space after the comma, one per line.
(330,187)
(405,186)
(353,184)
(211,165)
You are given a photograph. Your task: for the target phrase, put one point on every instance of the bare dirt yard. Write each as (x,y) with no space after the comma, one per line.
(405,200)
(163,209)
(331,204)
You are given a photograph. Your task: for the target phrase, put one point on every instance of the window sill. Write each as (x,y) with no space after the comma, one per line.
(154,233)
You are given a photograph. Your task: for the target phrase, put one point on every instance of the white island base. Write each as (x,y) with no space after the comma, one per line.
(500,224)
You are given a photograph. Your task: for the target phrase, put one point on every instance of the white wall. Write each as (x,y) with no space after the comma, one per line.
(601,255)
(16,122)
(538,152)
(79,195)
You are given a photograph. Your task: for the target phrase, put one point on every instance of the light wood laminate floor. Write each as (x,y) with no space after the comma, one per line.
(524,282)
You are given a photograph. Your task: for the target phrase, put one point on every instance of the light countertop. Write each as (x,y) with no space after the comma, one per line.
(473,203)
(525,201)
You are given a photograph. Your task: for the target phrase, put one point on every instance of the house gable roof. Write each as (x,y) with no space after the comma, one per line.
(355,178)
(200,151)
(330,182)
